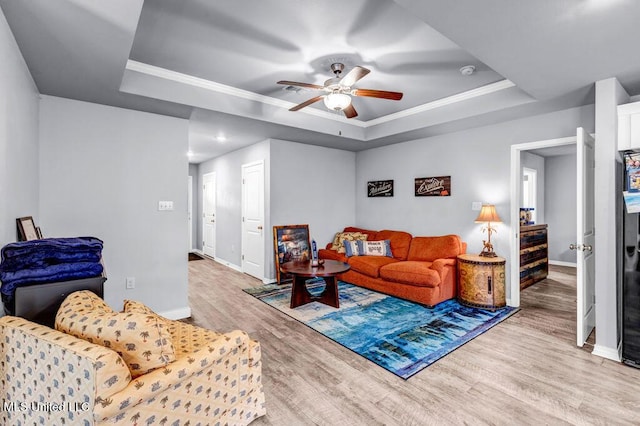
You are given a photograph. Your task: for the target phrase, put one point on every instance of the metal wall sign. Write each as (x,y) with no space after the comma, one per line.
(438,186)
(380,188)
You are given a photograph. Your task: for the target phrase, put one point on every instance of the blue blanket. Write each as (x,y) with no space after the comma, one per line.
(50,274)
(49,260)
(50,251)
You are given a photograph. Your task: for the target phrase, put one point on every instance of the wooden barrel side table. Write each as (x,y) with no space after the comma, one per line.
(481,281)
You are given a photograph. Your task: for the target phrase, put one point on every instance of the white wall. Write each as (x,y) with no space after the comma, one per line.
(478,161)
(311,185)
(18,138)
(305,184)
(609,94)
(560,213)
(229,199)
(103,171)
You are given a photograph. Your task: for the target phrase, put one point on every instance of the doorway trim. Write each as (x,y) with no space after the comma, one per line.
(516,190)
(190,211)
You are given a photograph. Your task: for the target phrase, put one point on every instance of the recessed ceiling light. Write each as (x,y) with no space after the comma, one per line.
(221,138)
(467,70)
(189,153)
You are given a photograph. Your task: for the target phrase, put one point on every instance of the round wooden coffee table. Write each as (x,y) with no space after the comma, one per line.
(302,271)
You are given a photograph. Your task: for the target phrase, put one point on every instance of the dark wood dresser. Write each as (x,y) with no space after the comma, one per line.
(534,260)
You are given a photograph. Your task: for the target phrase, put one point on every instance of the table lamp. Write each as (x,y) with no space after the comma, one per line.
(487,215)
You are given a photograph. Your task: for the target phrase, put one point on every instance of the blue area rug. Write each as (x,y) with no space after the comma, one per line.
(400,336)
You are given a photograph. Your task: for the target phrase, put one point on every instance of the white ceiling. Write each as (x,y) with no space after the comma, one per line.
(217,62)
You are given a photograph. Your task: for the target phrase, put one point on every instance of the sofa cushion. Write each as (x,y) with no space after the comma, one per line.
(432,248)
(370,265)
(340,237)
(142,340)
(400,242)
(411,272)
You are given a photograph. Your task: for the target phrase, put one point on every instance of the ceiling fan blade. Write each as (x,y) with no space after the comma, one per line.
(354,75)
(296,83)
(307,103)
(394,96)
(350,111)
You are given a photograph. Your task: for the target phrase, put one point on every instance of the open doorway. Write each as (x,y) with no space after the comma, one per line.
(563,207)
(543,177)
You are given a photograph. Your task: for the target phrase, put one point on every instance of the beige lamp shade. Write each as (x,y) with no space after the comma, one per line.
(488,214)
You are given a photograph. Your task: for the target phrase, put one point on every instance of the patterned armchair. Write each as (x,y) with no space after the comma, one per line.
(53,377)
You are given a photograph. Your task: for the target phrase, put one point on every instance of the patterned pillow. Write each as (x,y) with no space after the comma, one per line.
(368,248)
(341,237)
(351,248)
(132,306)
(186,338)
(142,340)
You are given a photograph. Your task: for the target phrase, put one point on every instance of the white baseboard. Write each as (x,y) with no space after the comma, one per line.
(239,269)
(608,353)
(228,264)
(561,263)
(176,314)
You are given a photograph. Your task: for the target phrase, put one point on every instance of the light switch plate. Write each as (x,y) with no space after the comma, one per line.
(131,282)
(165,205)
(476,205)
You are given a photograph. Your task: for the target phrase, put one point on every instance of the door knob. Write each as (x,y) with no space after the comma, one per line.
(260,227)
(583,247)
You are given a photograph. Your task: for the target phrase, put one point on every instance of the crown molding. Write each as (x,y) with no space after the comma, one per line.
(449,100)
(202,83)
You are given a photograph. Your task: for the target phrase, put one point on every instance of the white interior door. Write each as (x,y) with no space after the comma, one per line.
(253,219)
(585,273)
(209,214)
(190,211)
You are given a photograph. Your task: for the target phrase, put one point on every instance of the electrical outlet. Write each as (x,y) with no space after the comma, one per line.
(131,283)
(476,205)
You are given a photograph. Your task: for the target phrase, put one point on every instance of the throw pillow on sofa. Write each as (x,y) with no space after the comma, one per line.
(186,338)
(341,237)
(142,340)
(368,248)
(133,306)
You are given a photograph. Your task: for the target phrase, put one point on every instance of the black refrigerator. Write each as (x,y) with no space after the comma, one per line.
(630,303)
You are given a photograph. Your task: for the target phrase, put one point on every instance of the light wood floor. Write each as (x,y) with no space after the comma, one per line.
(525,371)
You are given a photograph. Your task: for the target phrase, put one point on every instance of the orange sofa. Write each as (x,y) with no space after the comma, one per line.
(422,269)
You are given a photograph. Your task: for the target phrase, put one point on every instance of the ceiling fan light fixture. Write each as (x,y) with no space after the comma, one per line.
(337,101)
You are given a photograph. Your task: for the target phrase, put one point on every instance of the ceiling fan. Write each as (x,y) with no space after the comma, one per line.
(338,90)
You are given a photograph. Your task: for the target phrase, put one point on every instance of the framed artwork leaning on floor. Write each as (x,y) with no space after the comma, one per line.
(290,242)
